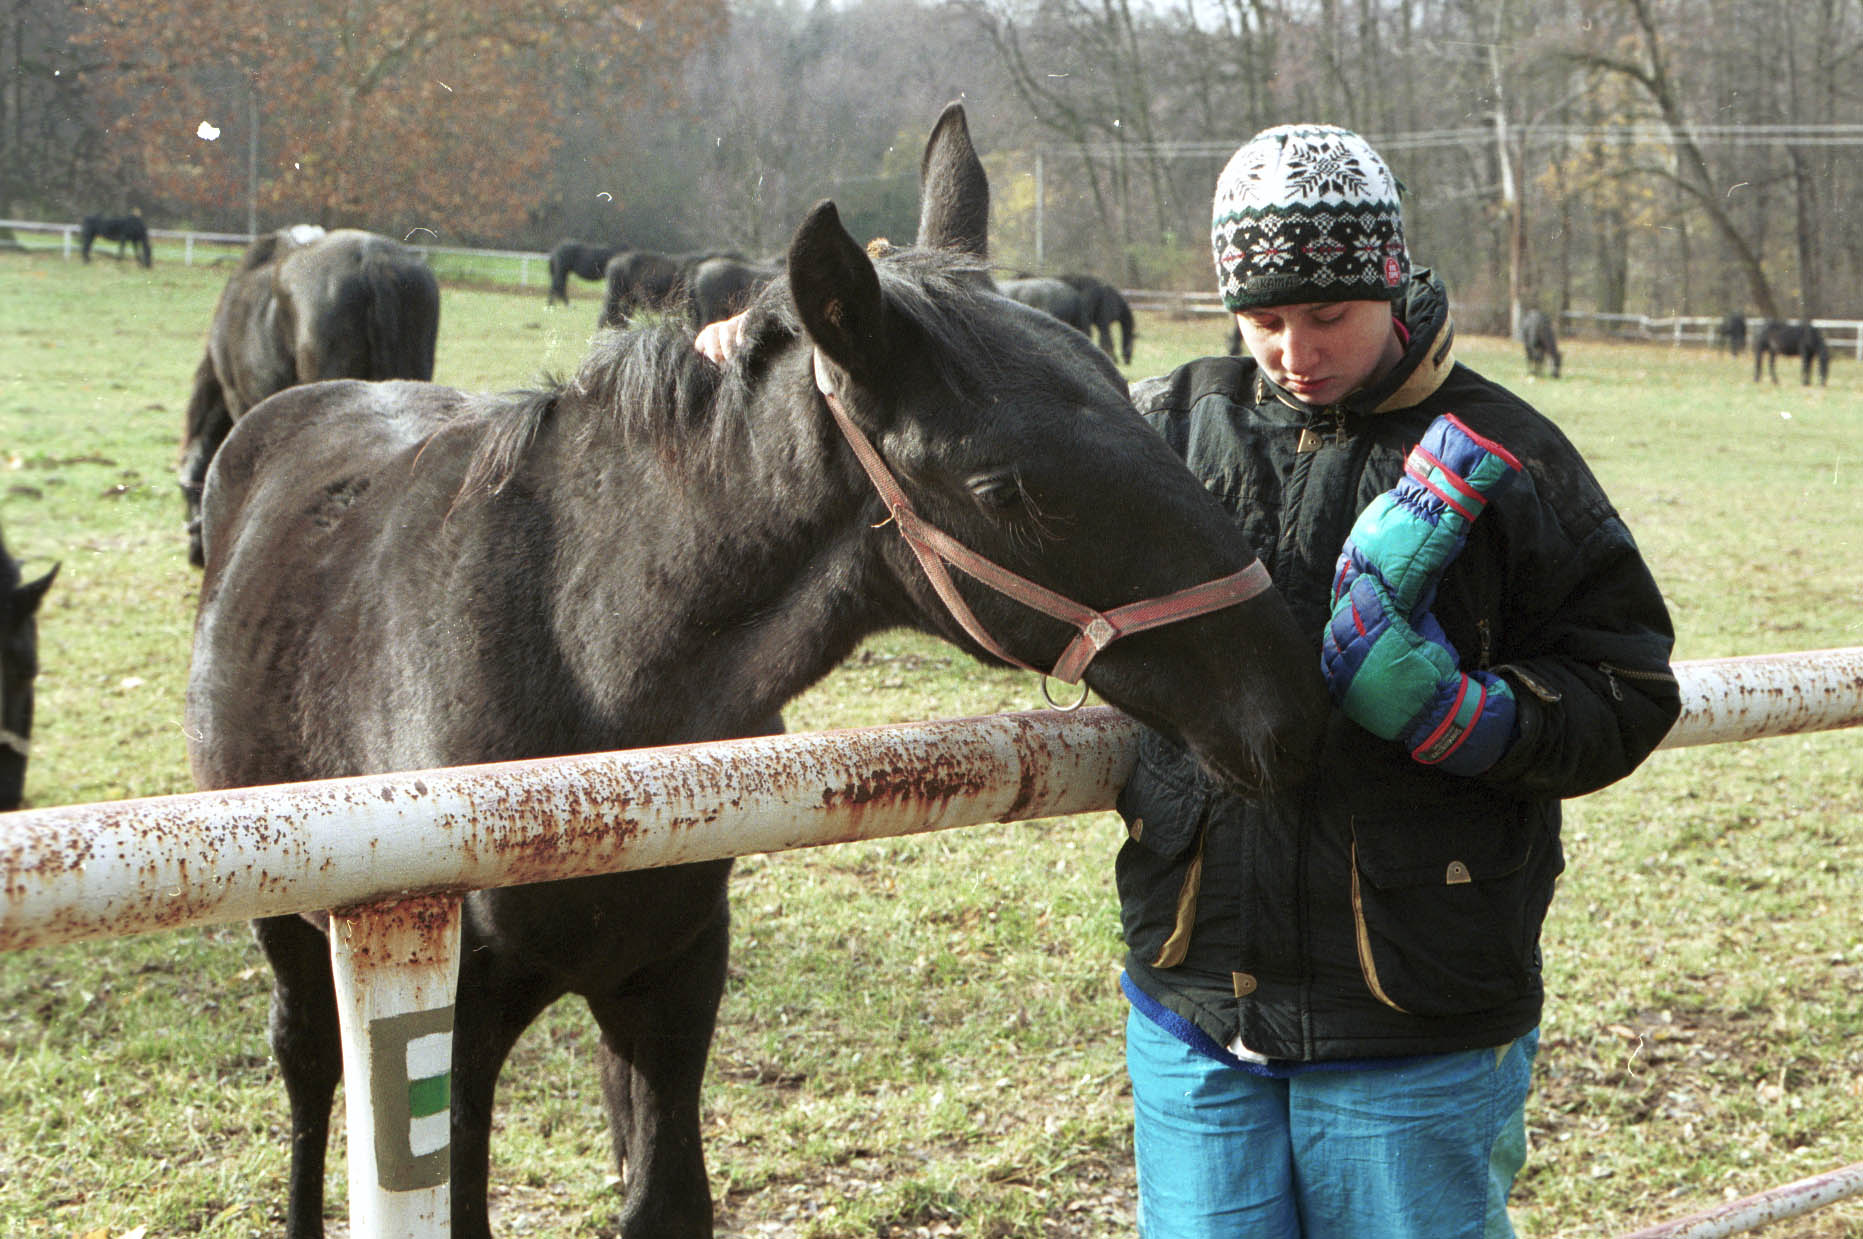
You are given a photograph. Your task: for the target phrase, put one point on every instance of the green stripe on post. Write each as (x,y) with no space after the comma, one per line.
(431,1095)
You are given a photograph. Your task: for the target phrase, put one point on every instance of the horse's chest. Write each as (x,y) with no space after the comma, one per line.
(592,933)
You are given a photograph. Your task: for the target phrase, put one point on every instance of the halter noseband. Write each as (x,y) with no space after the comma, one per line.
(1095,630)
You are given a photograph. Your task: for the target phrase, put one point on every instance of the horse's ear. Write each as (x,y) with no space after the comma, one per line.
(837,295)
(954,191)
(26,598)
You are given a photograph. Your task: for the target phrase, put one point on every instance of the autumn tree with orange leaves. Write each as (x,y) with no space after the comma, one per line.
(397,115)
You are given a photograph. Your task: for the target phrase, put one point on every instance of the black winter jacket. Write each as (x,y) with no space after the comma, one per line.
(1383,907)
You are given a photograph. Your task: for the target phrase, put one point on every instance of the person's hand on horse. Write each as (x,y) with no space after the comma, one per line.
(1386,660)
(721,339)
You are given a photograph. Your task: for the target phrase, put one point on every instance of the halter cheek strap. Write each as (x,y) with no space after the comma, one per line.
(1095,630)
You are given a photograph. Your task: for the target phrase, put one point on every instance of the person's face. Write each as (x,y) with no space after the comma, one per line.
(1321,351)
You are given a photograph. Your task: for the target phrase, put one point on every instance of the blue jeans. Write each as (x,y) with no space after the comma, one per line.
(1424,1149)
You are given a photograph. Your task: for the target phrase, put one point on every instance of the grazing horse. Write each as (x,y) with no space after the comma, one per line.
(1104,306)
(1536,333)
(19,665)
(1777,339)
(641,280)
(722,286)
(123,229)
(663,550)
(1732,332)
(305,305)
(1052,296)
(576,258)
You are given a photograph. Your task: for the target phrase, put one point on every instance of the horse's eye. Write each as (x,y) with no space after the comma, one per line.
(998,490)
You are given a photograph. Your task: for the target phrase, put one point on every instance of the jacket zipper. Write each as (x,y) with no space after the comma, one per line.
(1612,672)
(1366,965)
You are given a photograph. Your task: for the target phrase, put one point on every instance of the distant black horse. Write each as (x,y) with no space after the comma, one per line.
(1777,339)
(1536,333)
(124,230)
(637,280)
(722,286)
(19,665)
(1732,332)
(1056,297)
(1104,306)
(576,258)
(403,576)
(305,305)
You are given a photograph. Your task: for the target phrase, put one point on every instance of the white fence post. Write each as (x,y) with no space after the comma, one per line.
(397,969)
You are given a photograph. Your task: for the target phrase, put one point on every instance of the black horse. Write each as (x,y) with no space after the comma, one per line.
(1105,306)
(304,305)
(576,258)
(1052,296)
(1803,340)
(124,230)
(1731,333)
(1536,333)
(637,280)
(722,286)
(661,551)
(19,666)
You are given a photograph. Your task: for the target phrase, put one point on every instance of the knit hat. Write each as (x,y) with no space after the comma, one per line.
(1307,213)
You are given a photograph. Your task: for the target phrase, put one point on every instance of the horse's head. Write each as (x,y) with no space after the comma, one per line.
(1016,436)
(19,664)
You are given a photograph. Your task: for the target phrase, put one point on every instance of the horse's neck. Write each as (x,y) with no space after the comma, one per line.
(735,558)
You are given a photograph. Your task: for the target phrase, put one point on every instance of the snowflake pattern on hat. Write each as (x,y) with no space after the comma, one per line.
(1307,213)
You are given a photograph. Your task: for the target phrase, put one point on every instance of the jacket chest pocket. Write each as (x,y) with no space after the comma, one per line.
(1447,915)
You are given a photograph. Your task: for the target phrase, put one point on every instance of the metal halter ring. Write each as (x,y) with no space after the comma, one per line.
(1055,705)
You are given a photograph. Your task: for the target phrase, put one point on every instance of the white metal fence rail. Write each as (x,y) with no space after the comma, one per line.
(394,852)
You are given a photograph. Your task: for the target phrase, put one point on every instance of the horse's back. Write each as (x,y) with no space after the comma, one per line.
(312,512)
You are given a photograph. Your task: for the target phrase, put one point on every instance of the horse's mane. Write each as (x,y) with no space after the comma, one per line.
(652,385)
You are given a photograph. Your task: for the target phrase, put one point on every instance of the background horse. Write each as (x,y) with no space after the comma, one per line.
(1731,332)
(1104,306)
(19,665)
(722,286)
(664,551)
(1053,296)
(1777,339)
(305,305)
(577,258)
(1536,333)
(637,280)
(123,229)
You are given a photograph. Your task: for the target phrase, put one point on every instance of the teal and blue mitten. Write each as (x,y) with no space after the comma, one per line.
(1386,660)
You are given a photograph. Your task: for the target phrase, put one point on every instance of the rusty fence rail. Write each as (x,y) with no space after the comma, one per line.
(395,852)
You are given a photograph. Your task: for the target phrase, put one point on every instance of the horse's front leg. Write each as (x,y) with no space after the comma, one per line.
(498,998)
(308,1048)
(656,1033)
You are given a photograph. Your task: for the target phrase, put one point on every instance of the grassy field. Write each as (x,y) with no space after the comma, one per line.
(922,1037)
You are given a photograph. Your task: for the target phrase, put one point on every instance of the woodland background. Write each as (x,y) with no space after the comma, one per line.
(1640,156)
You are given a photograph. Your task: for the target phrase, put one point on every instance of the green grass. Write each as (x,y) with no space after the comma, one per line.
(921,1036)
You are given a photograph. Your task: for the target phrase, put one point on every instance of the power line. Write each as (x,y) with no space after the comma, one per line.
(1641,133)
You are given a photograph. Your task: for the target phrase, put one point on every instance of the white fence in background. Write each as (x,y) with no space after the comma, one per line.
(393,853)
(1841,333)
(212,247)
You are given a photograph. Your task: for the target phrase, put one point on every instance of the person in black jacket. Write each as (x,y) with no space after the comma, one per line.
(1335,987)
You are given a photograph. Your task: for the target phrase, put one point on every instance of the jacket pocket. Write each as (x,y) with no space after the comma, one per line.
(1165,800)
(1447,905)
